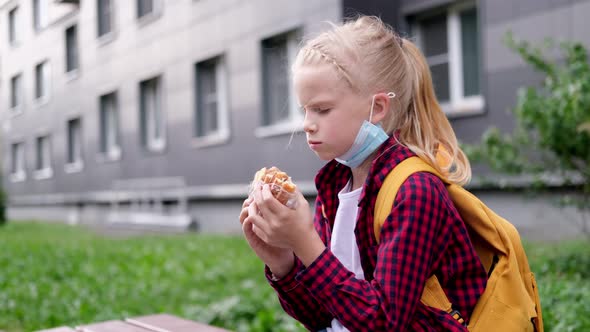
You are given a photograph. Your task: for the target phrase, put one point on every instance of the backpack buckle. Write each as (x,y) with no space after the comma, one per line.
(457,316)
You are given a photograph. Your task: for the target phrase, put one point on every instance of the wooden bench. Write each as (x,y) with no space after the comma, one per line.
(151,323)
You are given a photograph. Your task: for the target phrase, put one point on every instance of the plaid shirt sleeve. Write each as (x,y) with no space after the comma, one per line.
(412,238)
(298,302)
(296,299)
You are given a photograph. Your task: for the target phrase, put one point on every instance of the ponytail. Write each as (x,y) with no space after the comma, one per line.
(427,131)
(371,57)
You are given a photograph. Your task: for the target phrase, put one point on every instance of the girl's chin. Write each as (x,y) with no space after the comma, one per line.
(324,156)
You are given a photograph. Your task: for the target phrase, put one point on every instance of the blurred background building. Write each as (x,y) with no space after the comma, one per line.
(159,112)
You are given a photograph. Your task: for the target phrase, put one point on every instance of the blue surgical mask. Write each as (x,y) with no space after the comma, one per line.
(368,140)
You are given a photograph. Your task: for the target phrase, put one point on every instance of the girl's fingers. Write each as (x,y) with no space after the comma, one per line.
(258,232)
(245,205)
(247,201)
(265,200)
(243,215)
(258,227)
(252,209)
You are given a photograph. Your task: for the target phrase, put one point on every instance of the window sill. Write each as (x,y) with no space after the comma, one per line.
(149,18)
(43,174)
(18,176)
(107,38)
(465,107)
(74,167)
(39,30)
(110,156)
(219,138)
(156,146)
(72,75)
(41,101)
(15,111)
(278,129)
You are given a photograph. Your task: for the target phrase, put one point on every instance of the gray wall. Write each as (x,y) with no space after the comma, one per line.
(170,45)
(503,71)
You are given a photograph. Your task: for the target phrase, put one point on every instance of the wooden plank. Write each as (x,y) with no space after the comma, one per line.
(59,329)
(111,326)
(169,323)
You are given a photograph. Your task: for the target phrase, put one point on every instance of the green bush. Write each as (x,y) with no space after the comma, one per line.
(562,271)
(552,132)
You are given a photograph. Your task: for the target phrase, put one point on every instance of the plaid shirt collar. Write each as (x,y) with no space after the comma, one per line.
(334,176)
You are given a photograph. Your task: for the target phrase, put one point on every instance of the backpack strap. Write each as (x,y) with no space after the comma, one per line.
(433,294)
(391,185)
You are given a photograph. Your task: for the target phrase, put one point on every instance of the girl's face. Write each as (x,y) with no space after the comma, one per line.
(334,113)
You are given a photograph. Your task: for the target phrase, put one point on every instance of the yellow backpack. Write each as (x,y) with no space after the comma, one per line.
(510,301)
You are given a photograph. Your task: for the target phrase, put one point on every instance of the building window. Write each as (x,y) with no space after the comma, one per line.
(43,157)
(450,43)
(42,81)
(279,108)
(105,16)
(17,162)
(40,14)
(14,26)
(109,127)
(151,114)
(211,114)
(16,91)
(72,55)
(74,147)
(144,8)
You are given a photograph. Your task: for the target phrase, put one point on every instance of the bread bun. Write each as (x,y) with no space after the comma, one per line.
(281,186)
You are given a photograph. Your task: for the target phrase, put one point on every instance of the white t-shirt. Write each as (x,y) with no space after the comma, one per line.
(343,243)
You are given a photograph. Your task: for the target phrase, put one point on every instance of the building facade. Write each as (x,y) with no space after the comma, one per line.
(160,111)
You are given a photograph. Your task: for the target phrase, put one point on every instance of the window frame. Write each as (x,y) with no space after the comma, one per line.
(46,81)
(40,11)
(294,121)
(74,141)
(107,152)
(46,171)
(153,144)
(222,133)
(14,30)
(18,167)
(103,35)
(458,104)
(155,13)
(17,108)
(72,72)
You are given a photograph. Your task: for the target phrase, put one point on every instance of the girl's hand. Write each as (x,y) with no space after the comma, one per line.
(279,260)
(244,212)
(280,226)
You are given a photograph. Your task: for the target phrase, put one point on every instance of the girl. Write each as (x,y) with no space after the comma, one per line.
(369,103)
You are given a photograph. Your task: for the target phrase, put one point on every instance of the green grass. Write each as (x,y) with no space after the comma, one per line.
(60,275)
(53,275)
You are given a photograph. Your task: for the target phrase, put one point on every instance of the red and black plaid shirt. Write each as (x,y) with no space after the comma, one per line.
(423,235)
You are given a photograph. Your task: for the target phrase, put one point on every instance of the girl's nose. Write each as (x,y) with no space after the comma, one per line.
(309,126)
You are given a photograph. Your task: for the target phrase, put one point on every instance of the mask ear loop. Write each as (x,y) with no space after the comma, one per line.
(390,95)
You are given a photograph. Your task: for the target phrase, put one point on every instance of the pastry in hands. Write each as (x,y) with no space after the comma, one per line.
(281,186)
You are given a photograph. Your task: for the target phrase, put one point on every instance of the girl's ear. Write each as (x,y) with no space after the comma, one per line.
(381,107)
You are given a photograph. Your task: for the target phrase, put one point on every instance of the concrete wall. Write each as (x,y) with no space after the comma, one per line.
(184,33)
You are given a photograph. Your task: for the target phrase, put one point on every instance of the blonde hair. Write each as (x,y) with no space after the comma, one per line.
(371,57)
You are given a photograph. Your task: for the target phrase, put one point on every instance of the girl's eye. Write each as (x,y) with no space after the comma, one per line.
(316,110)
